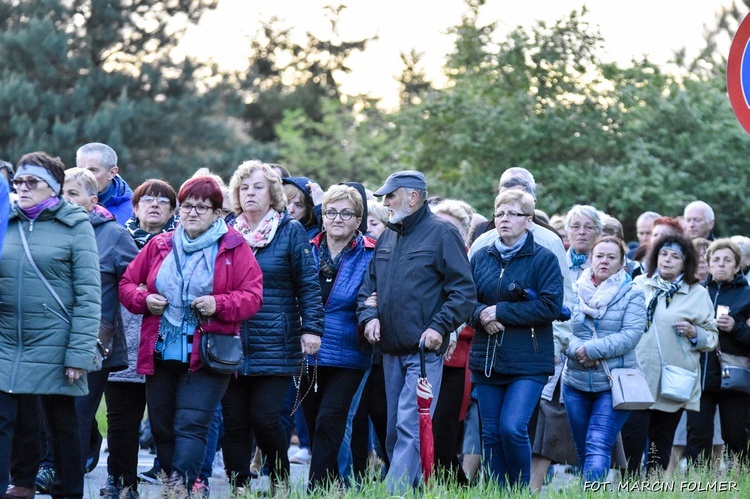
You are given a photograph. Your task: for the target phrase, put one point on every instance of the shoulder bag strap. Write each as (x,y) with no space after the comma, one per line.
(39,273)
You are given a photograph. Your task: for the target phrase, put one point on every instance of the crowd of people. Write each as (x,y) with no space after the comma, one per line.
(339,301)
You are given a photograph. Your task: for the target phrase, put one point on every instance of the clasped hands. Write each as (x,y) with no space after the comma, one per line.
(583,358)
(488,319)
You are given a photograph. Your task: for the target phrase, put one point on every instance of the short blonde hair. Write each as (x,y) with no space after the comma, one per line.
(725,243)
(377,210)
(344,193)
(278,198)
(459,210)
(524,199)
(85,177)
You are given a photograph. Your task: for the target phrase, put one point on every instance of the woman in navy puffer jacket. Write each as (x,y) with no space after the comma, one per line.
(288,325)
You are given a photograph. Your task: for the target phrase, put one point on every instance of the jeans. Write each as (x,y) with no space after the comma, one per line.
(126,403)
(326,413)
(402,441)
(252,405)
(505,411)
(595,425)
(181,407)
(212,444)
(372,407)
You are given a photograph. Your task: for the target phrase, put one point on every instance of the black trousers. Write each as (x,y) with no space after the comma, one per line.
(372,407)
(655,428)
(734,408)
(125,405)
(446,425)
(63,435)
(252,405)
(326,412)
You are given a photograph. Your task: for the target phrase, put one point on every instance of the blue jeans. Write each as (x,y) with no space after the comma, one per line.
(505,411)
(595,426)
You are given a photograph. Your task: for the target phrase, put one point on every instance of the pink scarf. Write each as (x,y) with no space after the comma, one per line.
(263,234)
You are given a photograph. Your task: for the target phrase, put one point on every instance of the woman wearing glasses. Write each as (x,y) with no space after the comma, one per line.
(520,293)
(154,203)
(202,274)
(275,340)
(342,255)
(584,228)
(50,307)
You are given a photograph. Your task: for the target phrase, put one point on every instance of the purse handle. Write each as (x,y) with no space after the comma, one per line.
(658,346)
(604,361)
(40,275)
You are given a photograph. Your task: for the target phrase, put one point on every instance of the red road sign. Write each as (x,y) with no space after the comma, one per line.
(738,74)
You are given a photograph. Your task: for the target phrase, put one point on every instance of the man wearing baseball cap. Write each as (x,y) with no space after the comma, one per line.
(424,292)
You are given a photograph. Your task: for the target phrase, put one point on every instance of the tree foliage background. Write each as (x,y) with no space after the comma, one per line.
(624,138)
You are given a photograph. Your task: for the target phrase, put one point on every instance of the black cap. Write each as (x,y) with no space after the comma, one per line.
(411,179)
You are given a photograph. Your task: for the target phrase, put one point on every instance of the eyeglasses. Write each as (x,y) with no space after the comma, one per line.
(200,209)
(586,228)
(510,214)
(29,182)
(344,214)
(150,199)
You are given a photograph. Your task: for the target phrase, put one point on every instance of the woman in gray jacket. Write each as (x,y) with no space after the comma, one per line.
(608,321)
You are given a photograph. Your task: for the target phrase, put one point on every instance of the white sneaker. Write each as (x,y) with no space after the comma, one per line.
(302,456)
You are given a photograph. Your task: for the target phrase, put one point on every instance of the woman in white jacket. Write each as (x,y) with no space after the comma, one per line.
(679,325)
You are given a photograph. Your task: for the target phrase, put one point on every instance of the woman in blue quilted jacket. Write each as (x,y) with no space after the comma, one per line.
(608,322)
(342,255)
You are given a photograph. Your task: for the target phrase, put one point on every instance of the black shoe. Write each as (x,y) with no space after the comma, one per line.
(44,478)
(151,476)
(110,489)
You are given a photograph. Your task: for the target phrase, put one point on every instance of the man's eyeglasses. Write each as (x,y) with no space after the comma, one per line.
(510,214)
(200,209)
(344,214)
(29,182)
(164,201)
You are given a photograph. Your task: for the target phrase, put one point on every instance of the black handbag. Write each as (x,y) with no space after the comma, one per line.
(221,353)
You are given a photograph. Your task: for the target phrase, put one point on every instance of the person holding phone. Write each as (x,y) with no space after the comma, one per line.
(730,292)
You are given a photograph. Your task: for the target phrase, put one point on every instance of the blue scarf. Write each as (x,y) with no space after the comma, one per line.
(508,252)
(195,277)
(576,259)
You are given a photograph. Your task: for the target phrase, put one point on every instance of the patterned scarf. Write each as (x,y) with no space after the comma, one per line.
(593,300)
(263,234)
(508,252)
(663,287)
(140,236)
(330,266)
(576,260)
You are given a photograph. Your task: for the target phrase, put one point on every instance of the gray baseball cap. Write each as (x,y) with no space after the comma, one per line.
(410,179)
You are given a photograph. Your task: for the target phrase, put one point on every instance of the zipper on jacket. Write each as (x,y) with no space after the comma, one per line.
(59,316)
(533,338)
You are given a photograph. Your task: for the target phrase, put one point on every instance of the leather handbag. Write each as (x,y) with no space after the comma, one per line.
(630,391)
(735,372)
(676,383)
(221,353)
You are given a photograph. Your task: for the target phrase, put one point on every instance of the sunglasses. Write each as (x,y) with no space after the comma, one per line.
(29,182)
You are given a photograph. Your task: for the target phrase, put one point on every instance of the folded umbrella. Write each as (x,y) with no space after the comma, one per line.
(424,401)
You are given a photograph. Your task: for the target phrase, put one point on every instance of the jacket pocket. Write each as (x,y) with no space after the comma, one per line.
(56,314)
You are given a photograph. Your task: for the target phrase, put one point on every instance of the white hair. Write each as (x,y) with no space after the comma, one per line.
(708,212)
(584,210)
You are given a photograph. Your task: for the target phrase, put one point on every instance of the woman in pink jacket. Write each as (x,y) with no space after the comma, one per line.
(205,273)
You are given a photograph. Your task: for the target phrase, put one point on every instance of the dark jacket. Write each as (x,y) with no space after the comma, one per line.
(292,304)
(116,250)
(735,294)
(237,289)
(38,339)
(342,345)
(527,347)
(423,280)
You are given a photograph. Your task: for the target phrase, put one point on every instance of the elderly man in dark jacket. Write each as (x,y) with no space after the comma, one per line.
(424,292)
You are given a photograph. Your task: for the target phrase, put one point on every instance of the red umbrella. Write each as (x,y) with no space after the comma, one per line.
(424,401)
